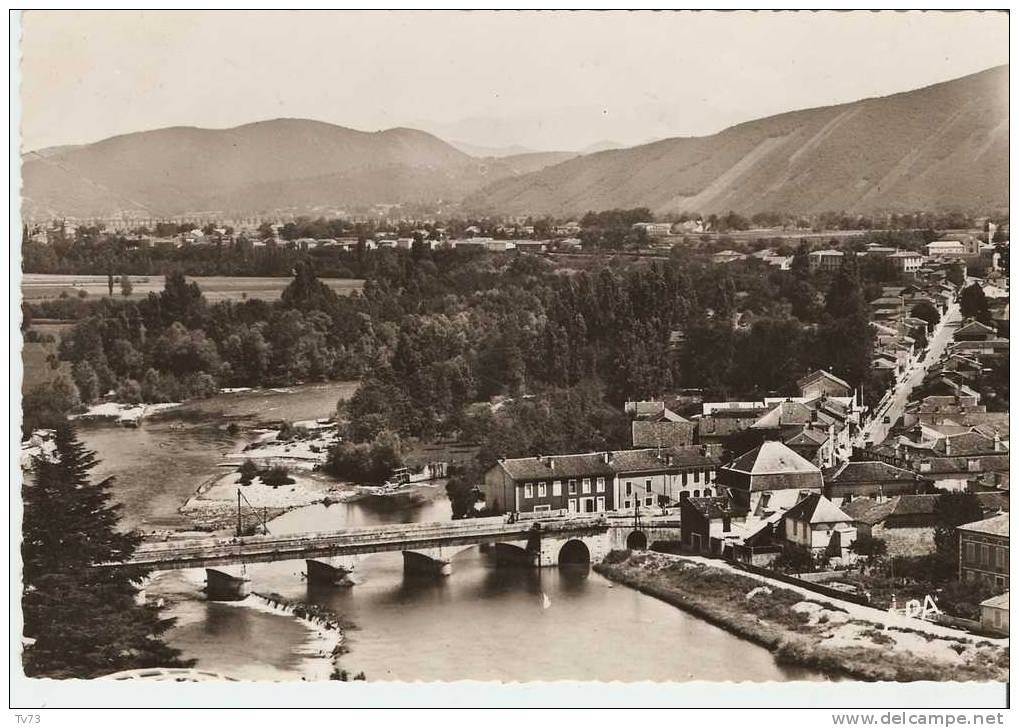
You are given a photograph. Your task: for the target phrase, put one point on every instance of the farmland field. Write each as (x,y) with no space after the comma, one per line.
(41,286)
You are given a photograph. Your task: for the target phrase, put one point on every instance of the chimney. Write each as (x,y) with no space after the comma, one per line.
(668,459)
(551,463)
(997,442)
(605,457)
(948,446)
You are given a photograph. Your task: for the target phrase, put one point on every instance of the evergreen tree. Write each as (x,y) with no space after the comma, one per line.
(82,621)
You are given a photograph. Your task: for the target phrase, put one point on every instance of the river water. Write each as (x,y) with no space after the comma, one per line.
(479,623)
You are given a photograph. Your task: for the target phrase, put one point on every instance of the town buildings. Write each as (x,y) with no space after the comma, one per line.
(983,552)
(817,524)
(755,477)
(595,482)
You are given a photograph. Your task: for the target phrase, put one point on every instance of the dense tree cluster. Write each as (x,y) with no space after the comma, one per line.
(435,331)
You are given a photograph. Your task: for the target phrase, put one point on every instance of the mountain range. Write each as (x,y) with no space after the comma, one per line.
(940,147)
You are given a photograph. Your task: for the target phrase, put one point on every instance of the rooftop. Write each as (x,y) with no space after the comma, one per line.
(994,526)
(815,508)
(772,457)
(869,471)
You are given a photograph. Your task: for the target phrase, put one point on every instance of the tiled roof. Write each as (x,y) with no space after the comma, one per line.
(869,511)
(620,461)
(714,507)
(815,508)
(772,457)
(809,437)
(953,465)
(966,443)
(869,471)
(915,505)
(998,602)
(820,374)
(974,327)
(994,526)
(783,415)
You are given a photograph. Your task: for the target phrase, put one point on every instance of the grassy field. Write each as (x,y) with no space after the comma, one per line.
(39,287)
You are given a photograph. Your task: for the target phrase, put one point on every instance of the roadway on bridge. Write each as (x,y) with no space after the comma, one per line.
(195,553)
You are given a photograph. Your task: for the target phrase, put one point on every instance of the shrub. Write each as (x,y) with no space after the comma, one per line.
(277,476)
(248,471)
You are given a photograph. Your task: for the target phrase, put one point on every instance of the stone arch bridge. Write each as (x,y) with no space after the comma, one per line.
(428,548)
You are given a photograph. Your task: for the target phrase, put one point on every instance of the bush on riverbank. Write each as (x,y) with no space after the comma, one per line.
(780,620)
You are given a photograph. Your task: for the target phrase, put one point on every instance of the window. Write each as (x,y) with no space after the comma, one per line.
(697,476)
(629,487)
(571,484)
(696,494)
(541,489)
(971,551)
(585,485)
(985,555)
(601,504)
(626,505)
(571,505)
(707,492)
(649,502)
(600,485)
(557,487)
(974,465)
(684,478)
(542,508)
(647,486)
(528,490)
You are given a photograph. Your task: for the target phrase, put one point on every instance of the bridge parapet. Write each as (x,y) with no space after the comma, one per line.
(401,537)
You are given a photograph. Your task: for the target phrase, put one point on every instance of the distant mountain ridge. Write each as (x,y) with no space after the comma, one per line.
(257,167)
(940,147)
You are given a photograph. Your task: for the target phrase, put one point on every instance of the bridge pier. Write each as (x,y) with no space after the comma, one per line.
(320,571)
(221,586)
(426,563)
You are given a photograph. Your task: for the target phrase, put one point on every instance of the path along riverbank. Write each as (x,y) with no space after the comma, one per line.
(810,631)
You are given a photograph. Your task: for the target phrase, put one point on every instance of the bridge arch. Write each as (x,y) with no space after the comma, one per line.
(510,554)
(574,551)
(636,541)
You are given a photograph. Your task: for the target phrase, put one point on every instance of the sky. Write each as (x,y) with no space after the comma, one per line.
(544,81)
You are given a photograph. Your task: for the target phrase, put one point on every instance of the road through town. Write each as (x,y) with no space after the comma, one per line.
(894,403)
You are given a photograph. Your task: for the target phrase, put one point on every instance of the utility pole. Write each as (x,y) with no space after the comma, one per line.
(238,512)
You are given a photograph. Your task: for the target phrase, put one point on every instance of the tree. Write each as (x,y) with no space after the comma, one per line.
(45,406)
(953,510)
(926,311)
(83,620)
(462,489)
(973,303)
(795,558)
(126,287)
(869,546)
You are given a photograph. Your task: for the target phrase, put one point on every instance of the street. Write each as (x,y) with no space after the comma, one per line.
(894,403)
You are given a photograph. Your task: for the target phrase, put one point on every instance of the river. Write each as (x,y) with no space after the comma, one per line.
(479,623)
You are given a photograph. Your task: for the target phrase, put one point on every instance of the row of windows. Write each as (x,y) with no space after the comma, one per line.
(985,555)
(695,476)
(971,577)
(648,502)
(557,487)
